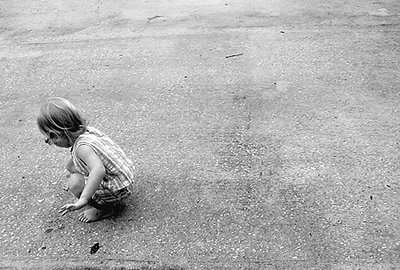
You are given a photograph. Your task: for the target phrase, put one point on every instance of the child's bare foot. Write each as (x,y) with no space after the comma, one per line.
(93,214)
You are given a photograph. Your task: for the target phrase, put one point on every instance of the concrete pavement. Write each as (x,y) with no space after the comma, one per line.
(265,133)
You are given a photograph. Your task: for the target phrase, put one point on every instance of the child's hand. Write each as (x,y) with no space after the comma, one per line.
(70,207)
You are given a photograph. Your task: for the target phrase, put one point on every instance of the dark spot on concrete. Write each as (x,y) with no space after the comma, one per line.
(94,248)
(234,55)
(153,18)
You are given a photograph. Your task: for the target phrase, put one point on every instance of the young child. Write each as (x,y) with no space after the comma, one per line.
(101,174)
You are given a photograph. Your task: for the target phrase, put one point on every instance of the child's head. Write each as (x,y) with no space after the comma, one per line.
(59,120)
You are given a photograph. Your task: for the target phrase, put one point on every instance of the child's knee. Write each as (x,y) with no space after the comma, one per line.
(70,167)
(76,184)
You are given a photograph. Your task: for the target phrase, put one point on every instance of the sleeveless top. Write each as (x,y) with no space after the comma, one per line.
(119,168)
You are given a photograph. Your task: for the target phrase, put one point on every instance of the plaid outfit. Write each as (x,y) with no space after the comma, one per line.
(117,183)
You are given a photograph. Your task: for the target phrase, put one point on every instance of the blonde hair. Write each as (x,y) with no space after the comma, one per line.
(58,115)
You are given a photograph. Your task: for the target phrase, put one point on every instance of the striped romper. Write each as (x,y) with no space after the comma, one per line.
(117,183)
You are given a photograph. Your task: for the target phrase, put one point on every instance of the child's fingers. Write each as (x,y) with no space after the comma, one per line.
(65,209)
(62,212)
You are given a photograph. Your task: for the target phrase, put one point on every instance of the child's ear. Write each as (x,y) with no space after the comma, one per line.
(52,135)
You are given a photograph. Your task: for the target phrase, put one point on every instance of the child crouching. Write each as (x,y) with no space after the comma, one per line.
(101,173)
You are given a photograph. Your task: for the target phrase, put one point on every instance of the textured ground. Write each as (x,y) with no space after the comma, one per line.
(265,132)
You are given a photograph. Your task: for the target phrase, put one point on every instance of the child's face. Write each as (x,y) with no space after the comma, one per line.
(60,141)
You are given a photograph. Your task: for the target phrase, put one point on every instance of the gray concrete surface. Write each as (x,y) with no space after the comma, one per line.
(265,132)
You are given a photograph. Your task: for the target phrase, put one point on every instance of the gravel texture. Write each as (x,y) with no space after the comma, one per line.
(265,133)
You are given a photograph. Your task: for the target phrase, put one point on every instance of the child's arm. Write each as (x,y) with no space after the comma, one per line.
(96,175)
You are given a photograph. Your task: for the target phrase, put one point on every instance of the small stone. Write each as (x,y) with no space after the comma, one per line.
(94,248)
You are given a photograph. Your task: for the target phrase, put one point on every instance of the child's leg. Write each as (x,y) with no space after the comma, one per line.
(94,214)
(76,185)
(103,203)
